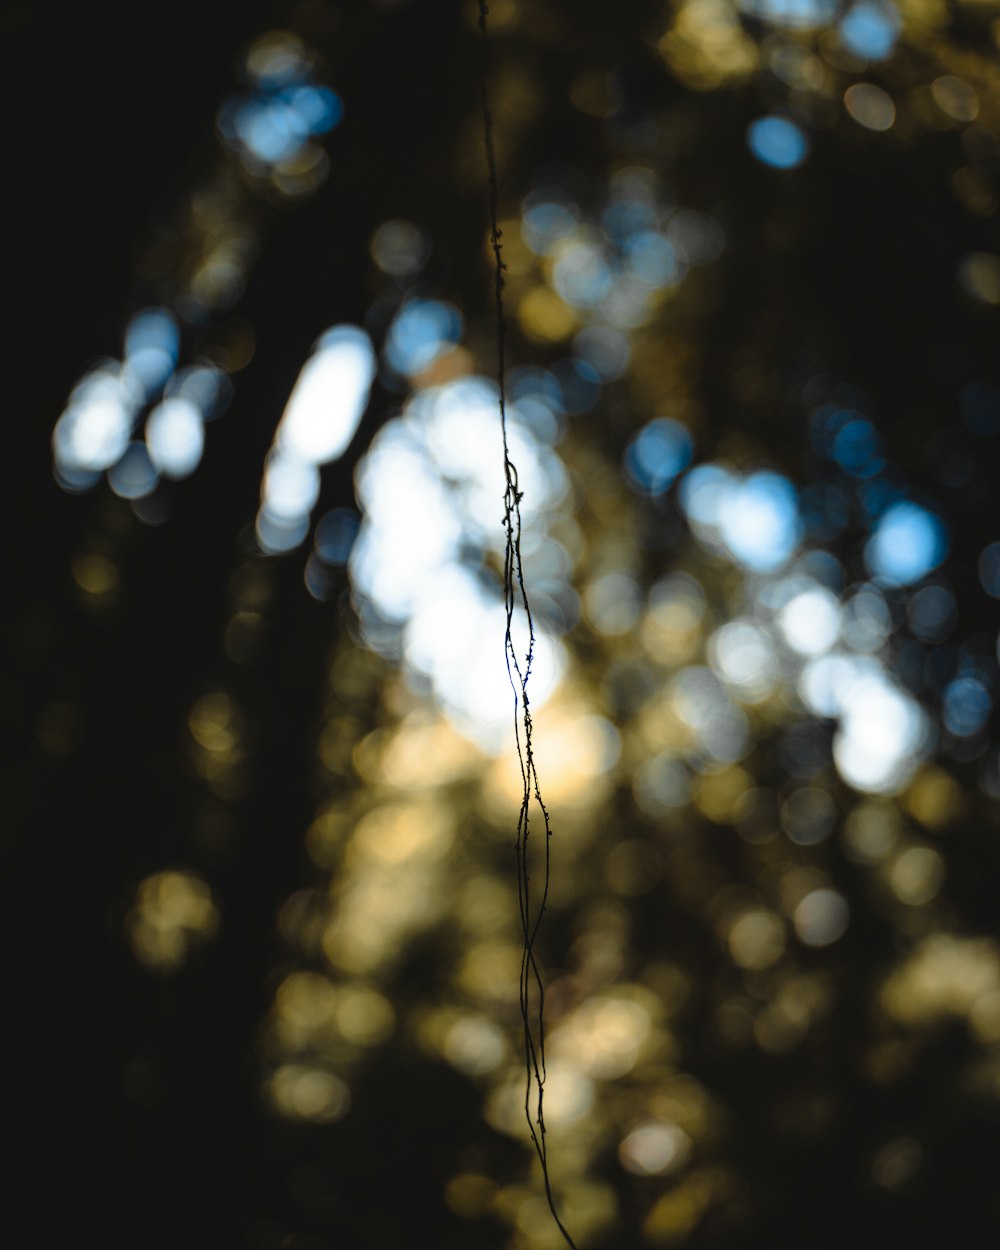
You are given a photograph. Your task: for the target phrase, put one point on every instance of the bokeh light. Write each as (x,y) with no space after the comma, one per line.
(908,542)
(320,419)
(778,142)
(870,29)
(762,568)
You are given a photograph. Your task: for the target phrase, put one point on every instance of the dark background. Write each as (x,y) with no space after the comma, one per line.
(136,1118)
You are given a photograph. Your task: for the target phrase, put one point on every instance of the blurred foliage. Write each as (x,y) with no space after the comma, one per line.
(752,287)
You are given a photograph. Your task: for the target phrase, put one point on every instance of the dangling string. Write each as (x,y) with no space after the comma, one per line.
(514,588)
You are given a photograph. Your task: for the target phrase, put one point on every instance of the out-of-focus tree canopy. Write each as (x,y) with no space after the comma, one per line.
(260,807)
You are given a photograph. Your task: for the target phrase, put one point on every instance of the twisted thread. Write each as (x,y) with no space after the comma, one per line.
(533,1019)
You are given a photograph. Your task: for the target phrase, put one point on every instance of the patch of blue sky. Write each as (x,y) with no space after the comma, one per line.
(800,14)
(702,491)
(907,543)
(759,520)
(857,448)
(175,437)
(870,29)
(657,455)
(152,343)
(319,108)
(756,518)
(420,332)
(778,142)
(270,129)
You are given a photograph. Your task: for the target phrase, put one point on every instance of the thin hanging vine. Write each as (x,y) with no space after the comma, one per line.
(533,1019)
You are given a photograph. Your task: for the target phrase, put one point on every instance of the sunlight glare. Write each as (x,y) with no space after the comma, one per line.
(329,398)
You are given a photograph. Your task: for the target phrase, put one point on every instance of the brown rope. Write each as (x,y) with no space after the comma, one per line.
(531,975)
